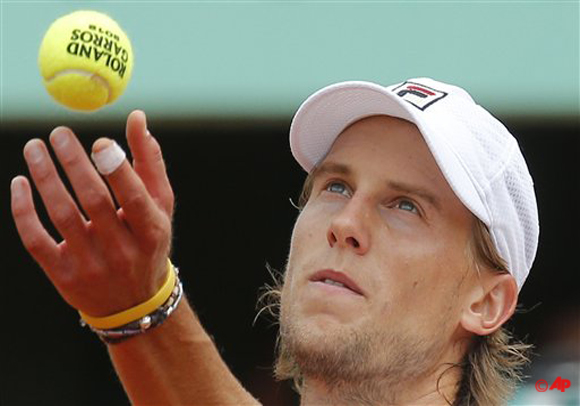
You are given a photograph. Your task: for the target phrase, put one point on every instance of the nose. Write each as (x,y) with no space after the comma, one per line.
(349,228)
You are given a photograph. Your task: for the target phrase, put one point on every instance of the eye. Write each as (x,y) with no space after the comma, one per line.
(407,205)
(337,187)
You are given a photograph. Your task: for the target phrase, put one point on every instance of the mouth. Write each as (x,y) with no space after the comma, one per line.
(337,280)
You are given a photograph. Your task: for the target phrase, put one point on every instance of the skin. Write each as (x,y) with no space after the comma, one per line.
(405,247)
(409,267)
(116,258)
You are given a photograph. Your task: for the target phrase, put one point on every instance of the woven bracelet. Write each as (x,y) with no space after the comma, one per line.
(145,323)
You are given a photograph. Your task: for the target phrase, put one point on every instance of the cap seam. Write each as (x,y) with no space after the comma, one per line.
(481,191)
(501,170)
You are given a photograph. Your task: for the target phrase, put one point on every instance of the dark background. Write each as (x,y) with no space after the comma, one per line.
(233,180)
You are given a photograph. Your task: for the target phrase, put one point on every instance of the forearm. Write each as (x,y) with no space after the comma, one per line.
(176,363)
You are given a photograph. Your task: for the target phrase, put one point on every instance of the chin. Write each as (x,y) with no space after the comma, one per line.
(314,331)
(325,324)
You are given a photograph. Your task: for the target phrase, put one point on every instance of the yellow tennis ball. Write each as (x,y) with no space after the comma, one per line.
(86,60)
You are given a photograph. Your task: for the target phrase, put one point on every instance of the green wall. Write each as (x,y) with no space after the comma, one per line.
(262,58)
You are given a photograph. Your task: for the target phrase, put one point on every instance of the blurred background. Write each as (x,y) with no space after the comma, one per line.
(220,82)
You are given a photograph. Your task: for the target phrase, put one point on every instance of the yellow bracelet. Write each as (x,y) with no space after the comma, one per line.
(137,312)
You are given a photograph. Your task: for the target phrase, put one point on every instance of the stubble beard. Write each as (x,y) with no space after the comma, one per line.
(367,365)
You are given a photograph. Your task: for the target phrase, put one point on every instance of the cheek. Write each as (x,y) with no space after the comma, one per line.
(298,240)
(424,277)
(309,230)
(300,246)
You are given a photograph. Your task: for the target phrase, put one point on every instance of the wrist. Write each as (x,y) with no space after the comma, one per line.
(141,318)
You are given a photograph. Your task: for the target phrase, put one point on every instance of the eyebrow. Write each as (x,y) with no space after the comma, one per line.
(336,168)
(331,168)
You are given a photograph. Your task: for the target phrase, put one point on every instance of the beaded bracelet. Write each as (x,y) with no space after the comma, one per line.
(143,324)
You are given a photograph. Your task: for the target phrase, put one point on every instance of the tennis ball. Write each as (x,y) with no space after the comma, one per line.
(86,60)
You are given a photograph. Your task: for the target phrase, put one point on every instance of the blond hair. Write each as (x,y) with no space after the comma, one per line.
(492,367)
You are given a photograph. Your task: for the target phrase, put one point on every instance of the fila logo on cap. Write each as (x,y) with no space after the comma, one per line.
(419,95)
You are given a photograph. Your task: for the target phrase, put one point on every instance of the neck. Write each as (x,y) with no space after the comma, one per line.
(438,388)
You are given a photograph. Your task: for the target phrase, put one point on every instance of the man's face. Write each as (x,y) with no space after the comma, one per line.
(377,264)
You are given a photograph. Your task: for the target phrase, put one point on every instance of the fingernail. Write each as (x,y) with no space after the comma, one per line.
(109,158)
(16,188)
(59,138)
(101,144)
(33,152)
(147,133)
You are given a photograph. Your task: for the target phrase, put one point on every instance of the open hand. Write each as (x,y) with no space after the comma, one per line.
(114,257)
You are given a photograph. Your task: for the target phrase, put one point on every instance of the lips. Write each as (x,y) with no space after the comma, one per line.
(338,279)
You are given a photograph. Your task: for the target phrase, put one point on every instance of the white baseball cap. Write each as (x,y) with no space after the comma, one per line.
(479,158)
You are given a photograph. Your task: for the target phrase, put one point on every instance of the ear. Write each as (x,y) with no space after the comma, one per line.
(490,303)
